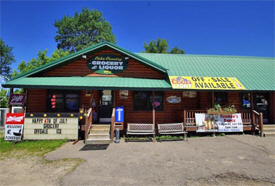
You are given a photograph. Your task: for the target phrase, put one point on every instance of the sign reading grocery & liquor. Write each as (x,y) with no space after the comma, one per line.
(205,83)
(107,64)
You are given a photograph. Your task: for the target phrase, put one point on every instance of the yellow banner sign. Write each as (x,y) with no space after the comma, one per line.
(205,83)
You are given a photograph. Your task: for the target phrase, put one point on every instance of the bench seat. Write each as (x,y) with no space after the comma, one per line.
(140,129)
(172,128)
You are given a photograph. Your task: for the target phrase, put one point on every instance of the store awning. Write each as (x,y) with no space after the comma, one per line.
(81,83)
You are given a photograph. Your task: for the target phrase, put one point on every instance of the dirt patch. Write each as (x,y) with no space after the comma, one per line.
(228,179)
(35,171)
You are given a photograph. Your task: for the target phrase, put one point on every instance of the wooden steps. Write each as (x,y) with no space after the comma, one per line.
(269,130)
(99,134)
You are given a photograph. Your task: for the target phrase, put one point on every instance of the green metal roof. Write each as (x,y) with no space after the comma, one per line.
(110,83)
(73,56)
(255,73)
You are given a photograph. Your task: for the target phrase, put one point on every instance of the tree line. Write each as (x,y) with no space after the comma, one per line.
(73,33)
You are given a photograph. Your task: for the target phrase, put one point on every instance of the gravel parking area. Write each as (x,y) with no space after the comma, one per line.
(226,160)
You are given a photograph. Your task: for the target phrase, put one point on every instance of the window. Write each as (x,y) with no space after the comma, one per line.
(142,101)
(220,98)
(245,100)
(59,101)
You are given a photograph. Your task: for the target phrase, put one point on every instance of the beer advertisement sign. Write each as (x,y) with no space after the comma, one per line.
(14,126)
(205,83)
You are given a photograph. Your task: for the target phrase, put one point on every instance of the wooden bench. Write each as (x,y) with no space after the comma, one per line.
(140,129)
(172,128)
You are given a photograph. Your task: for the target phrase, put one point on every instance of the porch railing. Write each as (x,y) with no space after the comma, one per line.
(88,122)
(113,125)
(248,117)
(258,121)
(189,117)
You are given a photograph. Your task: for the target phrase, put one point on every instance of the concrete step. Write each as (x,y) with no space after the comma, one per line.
(99,131)
(99,136)
(100,127)
(269,127)
(269,133)
(97,142)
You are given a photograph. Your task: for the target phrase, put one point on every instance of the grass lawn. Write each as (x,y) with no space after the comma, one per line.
(27,148)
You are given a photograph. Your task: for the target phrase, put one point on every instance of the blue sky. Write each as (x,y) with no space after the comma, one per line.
(242,28)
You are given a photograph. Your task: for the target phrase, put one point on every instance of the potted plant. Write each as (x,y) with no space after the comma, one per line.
(219,110)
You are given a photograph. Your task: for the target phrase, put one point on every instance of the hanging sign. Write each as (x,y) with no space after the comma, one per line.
(119,114)
(107,64)
(205,83)
(17,99)
(173,99)
(219,123)
(14,126)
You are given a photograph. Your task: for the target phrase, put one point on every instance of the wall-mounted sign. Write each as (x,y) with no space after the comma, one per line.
(107,64)
(119,114)
(205,83)
(173,99)
(14,126)
(219,123)
(17,99)
(189,94)
(123,94)
(46,128)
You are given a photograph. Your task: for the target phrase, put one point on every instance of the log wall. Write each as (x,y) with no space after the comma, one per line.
(79,68)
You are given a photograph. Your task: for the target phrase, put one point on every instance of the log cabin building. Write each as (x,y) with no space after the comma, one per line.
(151,88)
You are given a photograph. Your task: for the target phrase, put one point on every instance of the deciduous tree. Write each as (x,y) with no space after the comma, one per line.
(160,46)
(82,30)
(6,58)
(41,59)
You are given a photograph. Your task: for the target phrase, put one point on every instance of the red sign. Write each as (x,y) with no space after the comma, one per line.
(15,118)
(17,99)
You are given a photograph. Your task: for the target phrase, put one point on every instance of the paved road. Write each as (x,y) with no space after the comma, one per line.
(171,163)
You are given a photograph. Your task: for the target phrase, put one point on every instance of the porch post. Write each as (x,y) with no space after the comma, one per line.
(252,107)
(10,106)
(154,110)
(213,97)
(23,106)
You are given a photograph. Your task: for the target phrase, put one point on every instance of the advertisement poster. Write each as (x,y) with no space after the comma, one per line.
(219,123)
(205,83)
(14,126)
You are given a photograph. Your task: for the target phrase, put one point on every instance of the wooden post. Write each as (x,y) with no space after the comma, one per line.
(10,106)
(252,107)
(23,106)
(184,117)
(261,124)
(154,110)
(114,99)
(213,98)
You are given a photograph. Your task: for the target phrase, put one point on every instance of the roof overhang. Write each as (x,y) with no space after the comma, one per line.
(88,83)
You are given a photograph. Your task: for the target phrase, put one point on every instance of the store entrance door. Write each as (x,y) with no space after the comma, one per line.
(261,104)
(105,106)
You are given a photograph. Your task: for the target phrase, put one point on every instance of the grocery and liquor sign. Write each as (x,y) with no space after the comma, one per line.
(107,64)
(205,83)
(219,123)
(45,128)
(14,126)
